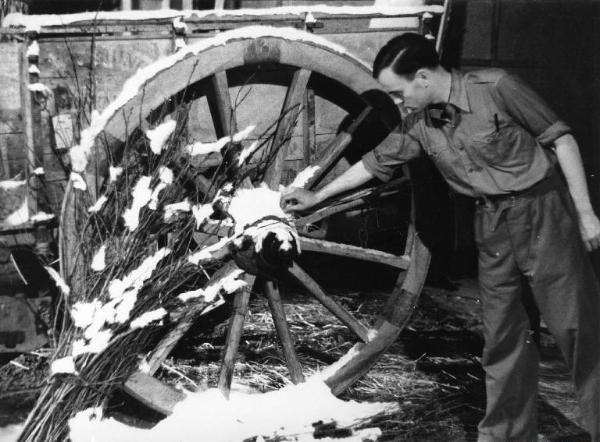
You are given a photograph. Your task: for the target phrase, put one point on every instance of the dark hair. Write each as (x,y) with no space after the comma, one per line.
(406,54)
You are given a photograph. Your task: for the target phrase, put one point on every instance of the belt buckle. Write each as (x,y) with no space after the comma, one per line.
(487,203)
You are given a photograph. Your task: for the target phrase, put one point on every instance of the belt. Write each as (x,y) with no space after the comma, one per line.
(544,185)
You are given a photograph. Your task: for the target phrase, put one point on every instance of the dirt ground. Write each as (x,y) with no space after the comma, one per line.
(432,371)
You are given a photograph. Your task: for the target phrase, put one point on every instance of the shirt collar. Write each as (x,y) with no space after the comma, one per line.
(458,92)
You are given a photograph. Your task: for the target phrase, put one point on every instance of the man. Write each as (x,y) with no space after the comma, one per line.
(494,139)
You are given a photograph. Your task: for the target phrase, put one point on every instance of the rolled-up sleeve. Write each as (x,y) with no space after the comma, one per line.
(396,149)
(524,105)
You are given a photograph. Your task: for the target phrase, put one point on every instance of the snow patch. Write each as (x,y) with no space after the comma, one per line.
(34,70)
(136,278)
(165,175)
(201,212)
(250,205)
(19,216)
(114,173)
(406,7)
(304,176)
(60,283)
(41,217)
(83,313)
(148,317)
(11,184)
(141,196)
(39,87)
(243,134)
(200,148)
(172,209)
(245,154)
(98,204)
(98,343)
(64,365)
(159,135)
(210,253)
(78,181)
(289,411)
(33,50)
(98,262)
(229,283)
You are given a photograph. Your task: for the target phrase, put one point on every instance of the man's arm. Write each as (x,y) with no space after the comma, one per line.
(296,199)
(570,162)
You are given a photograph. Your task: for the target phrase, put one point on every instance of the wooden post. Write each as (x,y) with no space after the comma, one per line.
(187,4)
(219,4)
(125,5)
(165,4)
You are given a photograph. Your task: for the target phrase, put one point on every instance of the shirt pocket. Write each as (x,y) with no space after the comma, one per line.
(501,146)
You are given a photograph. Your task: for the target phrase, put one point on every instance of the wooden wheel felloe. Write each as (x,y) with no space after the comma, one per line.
(210,80)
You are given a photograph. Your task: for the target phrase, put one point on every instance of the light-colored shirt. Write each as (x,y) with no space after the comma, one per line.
(492,138)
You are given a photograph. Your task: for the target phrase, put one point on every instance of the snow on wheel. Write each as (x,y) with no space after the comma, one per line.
(156,216)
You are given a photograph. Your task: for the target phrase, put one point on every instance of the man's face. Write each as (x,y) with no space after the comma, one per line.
(409,95)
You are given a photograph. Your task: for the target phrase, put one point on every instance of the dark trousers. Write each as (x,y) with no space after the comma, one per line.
(535,238)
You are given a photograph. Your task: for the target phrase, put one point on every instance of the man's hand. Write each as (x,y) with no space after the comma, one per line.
(589,225)
(294,199)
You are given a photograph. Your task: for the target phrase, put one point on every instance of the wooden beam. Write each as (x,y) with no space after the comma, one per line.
(357,327)
(283,331)
(349,251)
(285,127)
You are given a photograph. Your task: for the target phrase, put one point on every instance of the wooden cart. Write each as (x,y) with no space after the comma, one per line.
(303,72)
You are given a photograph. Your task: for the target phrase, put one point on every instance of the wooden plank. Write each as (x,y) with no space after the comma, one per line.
(355,326)
(283,331)
(349,251)
(290,111)
(156,394)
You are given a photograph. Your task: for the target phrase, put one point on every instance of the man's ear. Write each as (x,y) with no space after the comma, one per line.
(423,74)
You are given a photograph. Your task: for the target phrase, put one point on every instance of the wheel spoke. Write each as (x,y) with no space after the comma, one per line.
(357,327)
(219,102)
(289,115)
(283,331)
(351,201)
(334,149)
(236,325)
(349,251)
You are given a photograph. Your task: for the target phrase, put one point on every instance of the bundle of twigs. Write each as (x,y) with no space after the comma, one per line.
(134,263)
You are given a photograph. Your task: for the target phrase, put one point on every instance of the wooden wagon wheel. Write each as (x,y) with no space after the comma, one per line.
(211,69)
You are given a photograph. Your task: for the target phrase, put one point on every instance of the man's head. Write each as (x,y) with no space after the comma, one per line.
(408,68)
